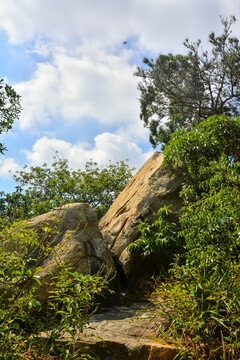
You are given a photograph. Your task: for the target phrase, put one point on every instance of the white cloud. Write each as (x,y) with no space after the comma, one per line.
(89,72)
(108,146)
(117,147)
(63,21)
(71,88)
(7,165)
(159,24)
(104,89)
(39,96)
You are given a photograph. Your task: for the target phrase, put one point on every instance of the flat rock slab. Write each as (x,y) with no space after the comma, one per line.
(122,334)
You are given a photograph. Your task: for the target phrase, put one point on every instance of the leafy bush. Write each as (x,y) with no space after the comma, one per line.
(204,293)
(192,151)
(159,234)
(27,328)
(201,298)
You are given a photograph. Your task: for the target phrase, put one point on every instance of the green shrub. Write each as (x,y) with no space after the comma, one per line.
(22,319)
(201,298)
(156,235)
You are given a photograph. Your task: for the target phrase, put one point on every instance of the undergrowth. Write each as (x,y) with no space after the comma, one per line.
(33,326)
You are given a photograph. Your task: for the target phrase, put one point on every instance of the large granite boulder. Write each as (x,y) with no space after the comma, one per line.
(76,239)
(151,188)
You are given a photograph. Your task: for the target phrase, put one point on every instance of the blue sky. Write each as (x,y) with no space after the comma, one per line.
(67,60)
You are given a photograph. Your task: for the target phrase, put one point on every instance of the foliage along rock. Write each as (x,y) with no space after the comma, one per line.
(76,240)
(151,188)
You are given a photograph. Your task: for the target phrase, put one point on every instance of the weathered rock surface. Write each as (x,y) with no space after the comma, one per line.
(122,334)
(78,241)
(151,188)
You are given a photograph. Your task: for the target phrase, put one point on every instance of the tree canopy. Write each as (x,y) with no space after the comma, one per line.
(10,109)
(191,151)
(41,189)
(180,91)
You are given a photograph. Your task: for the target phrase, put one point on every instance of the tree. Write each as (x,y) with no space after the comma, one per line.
(10,109)
(180,91)
(41,189)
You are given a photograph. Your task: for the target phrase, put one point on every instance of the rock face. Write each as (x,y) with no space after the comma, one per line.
(122,334)
(77,239)
(151,188)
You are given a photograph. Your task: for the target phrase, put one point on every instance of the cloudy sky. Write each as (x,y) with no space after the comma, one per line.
(67,60)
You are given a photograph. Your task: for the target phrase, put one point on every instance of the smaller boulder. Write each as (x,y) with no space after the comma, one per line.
(76,240)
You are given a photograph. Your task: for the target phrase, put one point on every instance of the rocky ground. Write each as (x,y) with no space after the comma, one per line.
(126,333)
